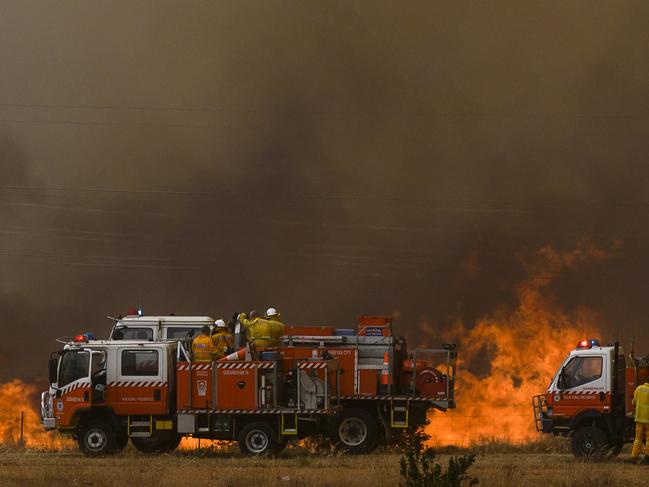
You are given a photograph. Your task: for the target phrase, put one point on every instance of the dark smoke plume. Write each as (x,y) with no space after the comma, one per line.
(330,160)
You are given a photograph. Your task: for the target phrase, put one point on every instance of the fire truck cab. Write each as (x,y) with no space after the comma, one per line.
(589,399)
(98,389)
(135,326)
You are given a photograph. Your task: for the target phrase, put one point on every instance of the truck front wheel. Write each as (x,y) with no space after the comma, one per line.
(96,438)
(589,443)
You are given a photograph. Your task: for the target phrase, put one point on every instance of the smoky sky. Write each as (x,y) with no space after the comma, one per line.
(330,159)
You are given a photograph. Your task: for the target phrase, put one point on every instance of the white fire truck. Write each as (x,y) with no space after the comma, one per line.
(589,399)
(358,386)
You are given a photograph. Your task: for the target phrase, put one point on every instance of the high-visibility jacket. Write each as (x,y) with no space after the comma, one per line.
(203,348)
(222,341)
(641,401)
(259,331)
(277,329)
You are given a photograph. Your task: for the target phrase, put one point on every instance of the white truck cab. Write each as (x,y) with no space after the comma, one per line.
(155,328)
(585,370)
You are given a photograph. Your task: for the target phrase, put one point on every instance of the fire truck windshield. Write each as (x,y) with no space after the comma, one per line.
(582,370)
(128,333)
(74,365)
(182,333)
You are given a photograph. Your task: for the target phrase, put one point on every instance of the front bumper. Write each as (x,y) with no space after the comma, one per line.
(47,411)
(547,425)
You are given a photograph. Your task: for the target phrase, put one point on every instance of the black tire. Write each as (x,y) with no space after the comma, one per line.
(121,440)
(96,438)
(589,443)
(157,443)
(258,439)
(355,431)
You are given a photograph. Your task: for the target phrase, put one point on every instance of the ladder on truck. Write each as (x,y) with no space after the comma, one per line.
(288,424)
(138,426)
(399,414)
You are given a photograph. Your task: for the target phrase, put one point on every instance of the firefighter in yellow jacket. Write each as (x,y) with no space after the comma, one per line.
(641,402)
(202,346)
(259,330)
(222,339)
(277,328)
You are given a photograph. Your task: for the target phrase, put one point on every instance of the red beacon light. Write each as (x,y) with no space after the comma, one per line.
(80,339)
(134,312)
(588,343)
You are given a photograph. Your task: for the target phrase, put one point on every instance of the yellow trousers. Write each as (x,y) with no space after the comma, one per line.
(641,433)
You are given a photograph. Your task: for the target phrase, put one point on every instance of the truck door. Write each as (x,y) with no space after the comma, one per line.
(141,386)
(586,385)
(73,388)
(98,377)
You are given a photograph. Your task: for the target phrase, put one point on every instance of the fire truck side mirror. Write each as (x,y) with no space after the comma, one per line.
(53,363)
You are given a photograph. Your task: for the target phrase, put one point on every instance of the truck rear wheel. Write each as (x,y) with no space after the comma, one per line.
(160,443)
(355,430)
(589,443)
(257,439)
(96,438)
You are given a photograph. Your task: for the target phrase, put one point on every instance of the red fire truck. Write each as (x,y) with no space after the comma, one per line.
(589,399)
(358,386)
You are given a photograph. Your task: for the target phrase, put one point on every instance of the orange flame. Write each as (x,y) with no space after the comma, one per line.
(189,443)
(16,397)
(525,346)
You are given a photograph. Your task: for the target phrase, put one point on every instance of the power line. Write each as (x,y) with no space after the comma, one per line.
(98,264)
(497,205)
(117,124)
(448,114)
(105,190)
(104,257)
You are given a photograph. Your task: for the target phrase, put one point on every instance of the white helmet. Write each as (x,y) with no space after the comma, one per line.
(220,324)
(270,312)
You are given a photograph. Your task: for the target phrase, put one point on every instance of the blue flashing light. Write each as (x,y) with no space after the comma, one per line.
(140,312)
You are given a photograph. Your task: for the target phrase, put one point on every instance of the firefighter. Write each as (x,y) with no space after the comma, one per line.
(277,328)
(222,339)
(641,402)
(202,346)
(259,330)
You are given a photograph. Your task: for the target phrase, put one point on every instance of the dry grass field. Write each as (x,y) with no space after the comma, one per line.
(496,465)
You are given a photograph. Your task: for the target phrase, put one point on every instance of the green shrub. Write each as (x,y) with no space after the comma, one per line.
(419,467)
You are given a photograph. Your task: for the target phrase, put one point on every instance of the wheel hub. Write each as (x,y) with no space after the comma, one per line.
(95,439)
(352,431)
(257,441)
